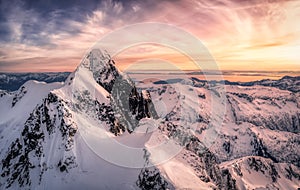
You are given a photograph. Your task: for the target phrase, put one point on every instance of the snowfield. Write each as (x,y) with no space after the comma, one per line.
(100,130)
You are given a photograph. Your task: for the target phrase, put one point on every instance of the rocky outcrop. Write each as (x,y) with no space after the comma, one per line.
(18,95)
(3,93)
(150,178)
(140,104)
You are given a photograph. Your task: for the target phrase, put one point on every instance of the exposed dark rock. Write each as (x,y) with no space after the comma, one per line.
(151,179)
(18,96)
(267,169)
(261,150)
(130,104)
(243,95)
(66,164)
(226,146)
(290,173)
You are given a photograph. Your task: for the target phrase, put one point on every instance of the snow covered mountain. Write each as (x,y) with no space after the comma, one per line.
(99,130)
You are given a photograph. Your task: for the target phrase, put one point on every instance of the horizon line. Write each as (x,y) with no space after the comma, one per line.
(163,70)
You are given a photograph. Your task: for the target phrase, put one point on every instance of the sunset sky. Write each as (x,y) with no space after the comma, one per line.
(38,36)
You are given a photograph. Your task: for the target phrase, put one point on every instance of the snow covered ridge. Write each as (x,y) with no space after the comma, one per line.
(49,122)
(60,135)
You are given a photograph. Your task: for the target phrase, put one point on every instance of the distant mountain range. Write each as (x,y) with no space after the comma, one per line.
(285,83)
(13,81)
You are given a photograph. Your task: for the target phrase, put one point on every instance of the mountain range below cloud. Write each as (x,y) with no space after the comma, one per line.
(13,81)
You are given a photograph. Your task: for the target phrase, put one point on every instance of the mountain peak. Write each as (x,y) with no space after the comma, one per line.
(96,58)
(102,67)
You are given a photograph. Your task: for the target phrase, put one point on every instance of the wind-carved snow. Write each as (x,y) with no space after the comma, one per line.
(99,130)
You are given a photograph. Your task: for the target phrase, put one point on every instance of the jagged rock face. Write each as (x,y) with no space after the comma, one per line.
(131,105)
(102,112)
(141,104)
(151,177)
(260,150)
(276,144)
(118,113)
(24,163)
(85,104)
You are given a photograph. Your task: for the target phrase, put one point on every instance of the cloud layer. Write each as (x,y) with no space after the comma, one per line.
(241,35)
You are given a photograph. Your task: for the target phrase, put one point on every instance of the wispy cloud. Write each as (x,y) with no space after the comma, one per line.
(41,35)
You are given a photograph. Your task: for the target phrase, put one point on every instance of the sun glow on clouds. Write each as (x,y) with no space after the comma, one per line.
(153,57)
(241,35)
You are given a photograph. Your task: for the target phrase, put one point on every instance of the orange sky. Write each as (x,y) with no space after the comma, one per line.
(240,35)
